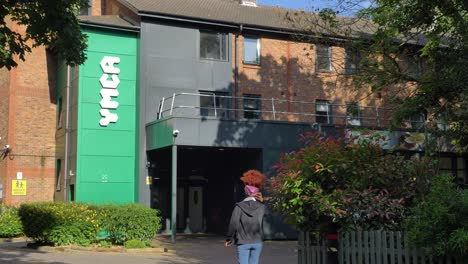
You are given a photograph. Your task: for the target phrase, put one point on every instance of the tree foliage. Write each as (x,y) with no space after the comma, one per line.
(414,51)
(52,23)
(439,223)
(348,182)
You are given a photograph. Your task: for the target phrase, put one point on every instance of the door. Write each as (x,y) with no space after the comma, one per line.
(196,208)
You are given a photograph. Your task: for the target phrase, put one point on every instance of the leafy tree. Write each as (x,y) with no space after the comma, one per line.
(350,182)
(439,223)
(414,51)
(52,23)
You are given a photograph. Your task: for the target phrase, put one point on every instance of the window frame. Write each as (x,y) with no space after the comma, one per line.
(225,46)
(317,57)
(212,110)
(319,115)
(255,112)
(257,62)
(351,119)
(350,56)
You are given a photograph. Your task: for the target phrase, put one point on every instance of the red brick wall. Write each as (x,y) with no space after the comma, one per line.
(27,115)
(287,72)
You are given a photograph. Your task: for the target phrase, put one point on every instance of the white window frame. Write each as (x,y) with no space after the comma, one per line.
(256,62)
(319,111)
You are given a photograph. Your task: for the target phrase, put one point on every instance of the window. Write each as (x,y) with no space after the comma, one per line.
(251,50)
(252,106)
(213,46)
(353,114)
(322,112)
(59,112)
(58,174)
(457,167)
(418,120)
(352,60)
(323,58)
(214,104)
(86,11)
(414,66)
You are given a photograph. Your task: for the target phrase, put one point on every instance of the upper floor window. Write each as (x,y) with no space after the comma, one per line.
(213,45)
(353,114)
(323,112)
(352,60)
(414,66)
(214,104)
(418,120)
(323,58)
(251,50)
(252,106)
(86,11)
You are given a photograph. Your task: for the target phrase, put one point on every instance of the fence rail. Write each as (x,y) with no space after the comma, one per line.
(366,247)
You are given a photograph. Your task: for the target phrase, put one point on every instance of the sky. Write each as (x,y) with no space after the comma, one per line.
(298,4)
(313,5)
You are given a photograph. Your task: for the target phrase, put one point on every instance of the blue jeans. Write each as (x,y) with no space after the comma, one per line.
(249,253)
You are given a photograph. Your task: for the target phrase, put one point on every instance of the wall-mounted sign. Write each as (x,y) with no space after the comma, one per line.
(18,187)
(19,175)
(109,89)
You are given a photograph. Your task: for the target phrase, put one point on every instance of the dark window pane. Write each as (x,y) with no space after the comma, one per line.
(322,112)
(213,46)
(214,104)
(353,114)
(323,58)
(352,60)
(252,106)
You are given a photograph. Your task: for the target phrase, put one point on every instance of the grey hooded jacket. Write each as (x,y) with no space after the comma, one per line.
(246,225)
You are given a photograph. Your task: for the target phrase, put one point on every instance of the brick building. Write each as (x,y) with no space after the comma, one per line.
(177,99)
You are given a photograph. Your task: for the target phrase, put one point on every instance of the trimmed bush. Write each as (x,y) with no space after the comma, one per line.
(59,223)
(134,243)
(10,223)
(131,221)
(81,224)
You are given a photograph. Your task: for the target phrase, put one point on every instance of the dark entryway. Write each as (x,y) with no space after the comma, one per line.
(208,184)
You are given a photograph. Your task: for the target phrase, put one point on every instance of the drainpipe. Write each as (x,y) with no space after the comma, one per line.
(67,131)
(236,71)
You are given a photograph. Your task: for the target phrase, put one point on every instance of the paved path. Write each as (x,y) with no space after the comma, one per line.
(188,250)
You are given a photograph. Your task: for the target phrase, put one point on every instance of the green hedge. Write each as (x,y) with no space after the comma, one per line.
(10,223)
(129,222)
(61,223)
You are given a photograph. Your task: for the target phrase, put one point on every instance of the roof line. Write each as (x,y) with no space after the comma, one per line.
(186,19)
(236,25)
(99,25)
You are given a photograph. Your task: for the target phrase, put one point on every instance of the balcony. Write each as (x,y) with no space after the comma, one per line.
(254,108)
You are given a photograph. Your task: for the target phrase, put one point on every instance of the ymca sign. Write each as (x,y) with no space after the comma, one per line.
(109,90)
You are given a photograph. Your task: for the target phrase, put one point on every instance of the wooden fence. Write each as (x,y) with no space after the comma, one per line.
(367,247)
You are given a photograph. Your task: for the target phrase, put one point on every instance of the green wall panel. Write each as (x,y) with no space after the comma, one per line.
(107,169)
(108,143)
(104,192)
(107,155)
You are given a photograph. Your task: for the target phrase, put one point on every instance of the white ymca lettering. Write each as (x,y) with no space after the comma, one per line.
(109,89)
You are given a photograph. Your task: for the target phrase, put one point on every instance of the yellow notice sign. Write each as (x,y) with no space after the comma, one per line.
(18,187)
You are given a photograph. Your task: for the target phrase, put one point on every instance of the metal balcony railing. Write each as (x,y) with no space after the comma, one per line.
(222,106)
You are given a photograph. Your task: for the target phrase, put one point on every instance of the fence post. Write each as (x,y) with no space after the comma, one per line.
(214,104)
(273,107)
(172,103)
(161,107)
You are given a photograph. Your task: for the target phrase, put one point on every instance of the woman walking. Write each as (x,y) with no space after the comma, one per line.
(246,225)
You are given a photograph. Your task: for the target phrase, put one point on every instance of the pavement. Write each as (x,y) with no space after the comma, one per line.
(188,249)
